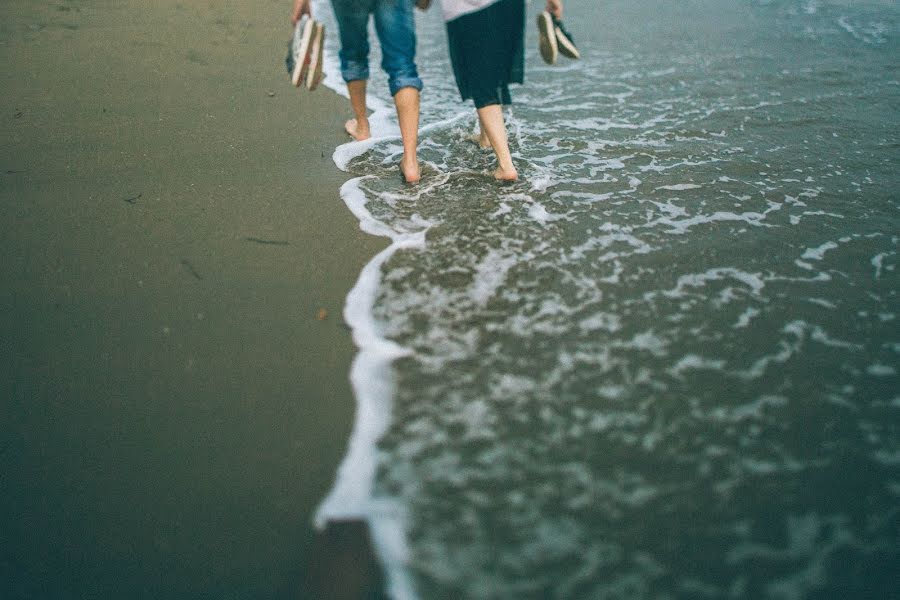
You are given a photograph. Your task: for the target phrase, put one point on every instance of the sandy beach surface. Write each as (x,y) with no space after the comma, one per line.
(174,406)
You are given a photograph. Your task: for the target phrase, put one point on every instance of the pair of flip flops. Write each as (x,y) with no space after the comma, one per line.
(554,39)
(304,58)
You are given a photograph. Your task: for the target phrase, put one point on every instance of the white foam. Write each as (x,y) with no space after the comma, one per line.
(818,253)
(582,196)
(503,209)
(537,212)
(878,262)
(745,317)
(370,375)
(696,362)
(751,410)
(490,275)
(372,381)
(601,321)
(752,280)
(384,129)
(820,335)
(646,341)
(633,221)
(880,370)
(679,187)
(344,153)
(785,351)
(873,33)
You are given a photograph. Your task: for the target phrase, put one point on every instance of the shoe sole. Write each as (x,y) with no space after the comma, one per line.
(301,59)
(566,47)
(315,58)
(547,38)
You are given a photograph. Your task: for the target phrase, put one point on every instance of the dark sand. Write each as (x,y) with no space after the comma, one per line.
(172,408)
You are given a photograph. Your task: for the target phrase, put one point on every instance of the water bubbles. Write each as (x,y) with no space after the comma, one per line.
(664,362)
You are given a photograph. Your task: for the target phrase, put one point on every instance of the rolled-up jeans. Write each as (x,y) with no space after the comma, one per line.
(395,26)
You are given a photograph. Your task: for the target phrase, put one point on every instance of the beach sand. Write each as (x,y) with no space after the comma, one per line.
(174,407)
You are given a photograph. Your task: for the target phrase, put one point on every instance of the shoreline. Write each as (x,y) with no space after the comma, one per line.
(177,410)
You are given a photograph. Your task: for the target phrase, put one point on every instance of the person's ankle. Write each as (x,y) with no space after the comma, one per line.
(508,173)
(409,166)
(357,131)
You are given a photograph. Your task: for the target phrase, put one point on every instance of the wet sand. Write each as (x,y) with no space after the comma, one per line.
(173,406)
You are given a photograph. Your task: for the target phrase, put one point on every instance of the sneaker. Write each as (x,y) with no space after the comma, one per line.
(547,37)
(564,40)
(298,62)
(314,75)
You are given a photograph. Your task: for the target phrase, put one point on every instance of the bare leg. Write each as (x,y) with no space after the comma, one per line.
(491,120)
(481,139)
(358,127)
(407,101)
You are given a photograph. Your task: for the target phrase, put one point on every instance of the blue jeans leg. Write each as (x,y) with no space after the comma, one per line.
(352,17)
(396,29)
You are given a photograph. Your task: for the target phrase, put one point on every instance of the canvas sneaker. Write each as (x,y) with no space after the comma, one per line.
(564,41)
(547,35)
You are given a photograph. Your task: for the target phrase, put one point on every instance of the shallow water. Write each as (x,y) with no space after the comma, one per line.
(665,362)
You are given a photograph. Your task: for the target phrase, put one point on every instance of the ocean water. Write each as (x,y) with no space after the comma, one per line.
(664,364)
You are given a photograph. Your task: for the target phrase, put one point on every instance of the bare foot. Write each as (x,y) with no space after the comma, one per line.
(481,139)
(502,174)
(410,170)
(358,131)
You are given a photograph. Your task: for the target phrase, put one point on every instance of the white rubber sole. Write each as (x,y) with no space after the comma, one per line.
(314,76)
(566,47)
(547,34)
(301,58)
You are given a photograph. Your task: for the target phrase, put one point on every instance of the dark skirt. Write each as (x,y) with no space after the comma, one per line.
(487,51)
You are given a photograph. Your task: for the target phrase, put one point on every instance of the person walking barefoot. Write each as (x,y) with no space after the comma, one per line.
(396,34)
(487,52)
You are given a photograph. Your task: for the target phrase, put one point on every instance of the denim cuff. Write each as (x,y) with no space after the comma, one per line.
(351,71)
(398,83)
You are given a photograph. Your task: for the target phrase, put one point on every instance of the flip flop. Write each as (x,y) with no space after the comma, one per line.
(547,35)
(314,76)
(564,40)
(299,58)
